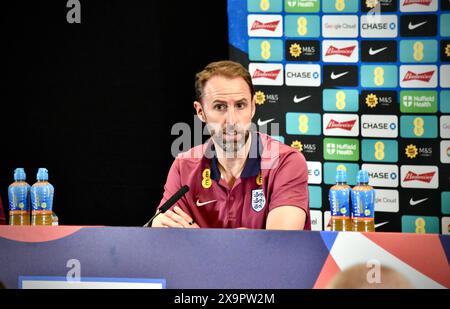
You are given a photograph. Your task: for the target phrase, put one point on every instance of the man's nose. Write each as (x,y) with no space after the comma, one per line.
(231,116)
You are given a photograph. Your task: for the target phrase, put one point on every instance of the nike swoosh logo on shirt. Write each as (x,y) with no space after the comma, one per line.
(376,51)
(205,203)
(381,224)
(261,123)
(412,202)
(298,100)
(335,76)
(412,27)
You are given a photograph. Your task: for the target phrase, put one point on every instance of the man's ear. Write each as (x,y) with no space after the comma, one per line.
(199,110)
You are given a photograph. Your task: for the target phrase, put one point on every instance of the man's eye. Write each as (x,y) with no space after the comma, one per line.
(220,107)
(241,105)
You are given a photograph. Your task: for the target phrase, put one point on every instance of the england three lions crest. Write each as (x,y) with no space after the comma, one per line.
(258,200)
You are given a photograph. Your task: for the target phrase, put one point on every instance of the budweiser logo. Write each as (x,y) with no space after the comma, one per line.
(425,77)
(269,74)
(345,125)
(421,2)
(425,177)
(346,51)
(271,26)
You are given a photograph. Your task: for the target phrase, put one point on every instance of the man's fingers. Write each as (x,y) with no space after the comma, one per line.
(169,222)
(175,217)
(184,215)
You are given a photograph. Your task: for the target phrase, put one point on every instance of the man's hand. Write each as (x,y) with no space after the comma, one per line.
(176,218)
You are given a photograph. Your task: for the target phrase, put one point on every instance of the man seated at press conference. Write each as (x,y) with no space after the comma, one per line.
(239,178)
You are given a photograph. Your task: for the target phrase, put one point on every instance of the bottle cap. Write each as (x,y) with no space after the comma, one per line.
(363,177)
(341,176)
(19,174)
(42,174)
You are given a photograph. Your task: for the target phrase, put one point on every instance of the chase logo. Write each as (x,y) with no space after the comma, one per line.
(379,76)
(418,51)
(418,5)
(418,126)
(381,150)
(340,100)
(303,75)
(379,126)
(379,26)
(340,6)
(314,172)
(301,6)
(265,25)
(341,149)
(418,25)
(302,50)
(382,175)
(420,224)
(264,6)
(330,169)
(315,196)
(342,26)
(303,123)
(302,26)
(265,50)
(379,102)
(340,51)
(418,101)
(375,6)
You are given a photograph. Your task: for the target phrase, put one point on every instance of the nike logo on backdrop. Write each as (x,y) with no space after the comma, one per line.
(298,100)
(205,203)
(381,224)
(412,202)
(261,123)
(335,76)
(412,27)
(376,51)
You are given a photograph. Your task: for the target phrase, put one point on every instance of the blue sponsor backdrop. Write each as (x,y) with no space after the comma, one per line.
(376,74)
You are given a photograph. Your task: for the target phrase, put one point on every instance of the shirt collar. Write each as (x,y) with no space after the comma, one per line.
(252,164)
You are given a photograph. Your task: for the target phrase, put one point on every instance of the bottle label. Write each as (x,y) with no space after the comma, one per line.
(42,198)
(18,199)
(363,204)
(340,202)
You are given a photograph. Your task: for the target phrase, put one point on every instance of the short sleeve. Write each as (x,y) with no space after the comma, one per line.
(290,183)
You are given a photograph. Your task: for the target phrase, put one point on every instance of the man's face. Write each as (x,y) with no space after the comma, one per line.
(227,108)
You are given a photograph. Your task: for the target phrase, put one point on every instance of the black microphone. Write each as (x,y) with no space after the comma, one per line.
(169,203)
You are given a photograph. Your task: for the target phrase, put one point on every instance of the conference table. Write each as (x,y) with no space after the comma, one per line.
(135,257)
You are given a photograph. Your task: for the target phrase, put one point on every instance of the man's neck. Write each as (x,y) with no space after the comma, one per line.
(232,166)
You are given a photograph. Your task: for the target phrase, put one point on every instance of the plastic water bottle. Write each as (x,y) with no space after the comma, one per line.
(19,199)
(42,193)
(339,197)
(363,204)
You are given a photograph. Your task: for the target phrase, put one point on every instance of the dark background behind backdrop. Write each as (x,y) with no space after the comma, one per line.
(95,102)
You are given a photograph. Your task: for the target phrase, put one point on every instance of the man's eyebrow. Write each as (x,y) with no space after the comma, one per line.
(244,100)
(220,102)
